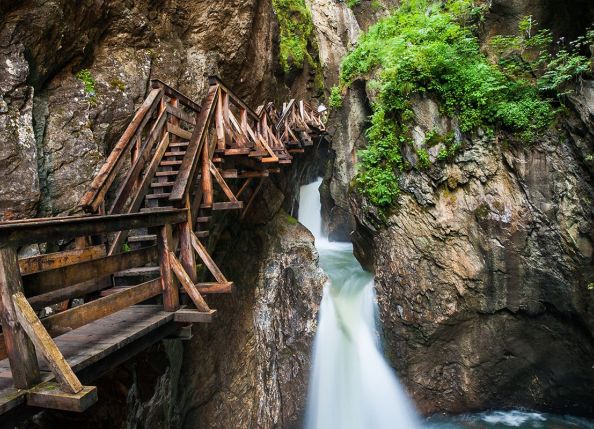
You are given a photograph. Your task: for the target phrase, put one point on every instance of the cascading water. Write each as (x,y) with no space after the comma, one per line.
(351,386)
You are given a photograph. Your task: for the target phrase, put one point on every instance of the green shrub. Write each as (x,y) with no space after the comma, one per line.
(335,100)
(88,81)
(432,47)
(296,31)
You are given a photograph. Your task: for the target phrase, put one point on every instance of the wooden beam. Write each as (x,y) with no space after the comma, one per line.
(168,285)
(180,132)
(180,114)
(141,191)
(51,280)
(252,198)
(20,233)
(211,287)
(108,172)
(47,395)
(187,284)
(49,261)
(187,170)
(207,260)
(15,343)
(44,344)
(174,93)
(188,315)
(80,290)
(186,253)
(207,190)
(228,192)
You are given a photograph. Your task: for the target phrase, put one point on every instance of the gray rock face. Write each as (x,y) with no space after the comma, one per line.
(57,133)
(481,278)
(250,368)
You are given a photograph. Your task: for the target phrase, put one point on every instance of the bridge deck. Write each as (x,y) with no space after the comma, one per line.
(89,344)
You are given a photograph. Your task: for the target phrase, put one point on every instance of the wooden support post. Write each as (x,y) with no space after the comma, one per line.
(187,257)
(168,283)
(206,177)
(68,381)
(20,349)
(187,284)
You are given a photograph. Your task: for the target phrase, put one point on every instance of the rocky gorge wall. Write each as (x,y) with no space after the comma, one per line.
(250,368)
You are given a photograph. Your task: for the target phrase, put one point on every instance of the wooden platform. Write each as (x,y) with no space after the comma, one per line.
(90,344)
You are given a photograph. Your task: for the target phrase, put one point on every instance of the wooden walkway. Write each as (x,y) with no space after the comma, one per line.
(89,344)
(138,263)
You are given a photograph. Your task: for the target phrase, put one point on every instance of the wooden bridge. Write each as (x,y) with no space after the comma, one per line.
(133,269)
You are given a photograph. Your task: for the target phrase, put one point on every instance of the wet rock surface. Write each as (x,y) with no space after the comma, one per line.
(482,276)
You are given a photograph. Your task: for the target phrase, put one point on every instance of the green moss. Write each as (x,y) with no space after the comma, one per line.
(88,81)
(353,3)
(433,47)
(291,220)
(296,33)
(482,211)
(335,100)
(118,84)
(423,157)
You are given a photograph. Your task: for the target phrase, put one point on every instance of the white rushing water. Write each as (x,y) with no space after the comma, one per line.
(351,386)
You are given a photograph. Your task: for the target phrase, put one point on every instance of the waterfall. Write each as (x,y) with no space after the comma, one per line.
(351,385)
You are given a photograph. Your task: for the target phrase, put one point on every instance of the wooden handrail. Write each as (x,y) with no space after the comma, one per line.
(93,199)
(174,93)
(15,234)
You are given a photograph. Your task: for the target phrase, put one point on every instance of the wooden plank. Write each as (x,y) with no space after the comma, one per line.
(46,395)
(228,192)
(185,177)
(14,342)
(59,259)
(187,284)
(76,317)
(51,280)
(187,315)
(252,198)
(168,285)
(244,187)
(228,205)
(133,176)
(180,132)
(207,190)
(208,261)
(186,253)
(208,288)
(143,188)
(180,114)
(17,233)
(108,172)
(44,344)
(80,290)
(174,93)
(220,124)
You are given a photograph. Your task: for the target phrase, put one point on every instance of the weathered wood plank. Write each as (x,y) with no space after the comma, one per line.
(186,173)
(17,345)
(80,290)
(208,288)
(174,93)
(187,315)
(180,132)
(208,261)
(108,172)
(47,395)
(168,285)
(180,114)
(49,261)
(228,192)
(14,234)
(51,280)
(207,190)
(44,344)
(187,284)
(186,252)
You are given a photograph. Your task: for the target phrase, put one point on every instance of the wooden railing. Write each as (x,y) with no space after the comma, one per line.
(171,143)
(30,284)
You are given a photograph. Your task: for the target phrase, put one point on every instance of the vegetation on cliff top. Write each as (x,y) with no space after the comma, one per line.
(296,31)
(432,47)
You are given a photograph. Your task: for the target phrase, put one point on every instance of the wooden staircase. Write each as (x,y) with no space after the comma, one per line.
(149,213)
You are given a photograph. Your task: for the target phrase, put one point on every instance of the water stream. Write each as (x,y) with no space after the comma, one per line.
(351,385)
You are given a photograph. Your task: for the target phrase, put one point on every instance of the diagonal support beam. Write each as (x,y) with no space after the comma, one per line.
(187,283)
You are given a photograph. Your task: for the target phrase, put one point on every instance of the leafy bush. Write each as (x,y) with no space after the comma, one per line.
(296,30)
(88,81)
(432,47)
(335,99)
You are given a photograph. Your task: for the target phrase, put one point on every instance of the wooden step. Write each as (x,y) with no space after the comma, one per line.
(113,290)
(215,287)
(188,315)
(201,234)
(135,276)
(180,153)
(142,238)
(230,205)
(166,173)
(157,196)
(203,219)
(162,184)
(156,209)
(179,144)
(169,163)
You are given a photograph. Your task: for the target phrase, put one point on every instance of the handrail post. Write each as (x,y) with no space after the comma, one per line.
(168,282)
(187,257)
(20,349)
